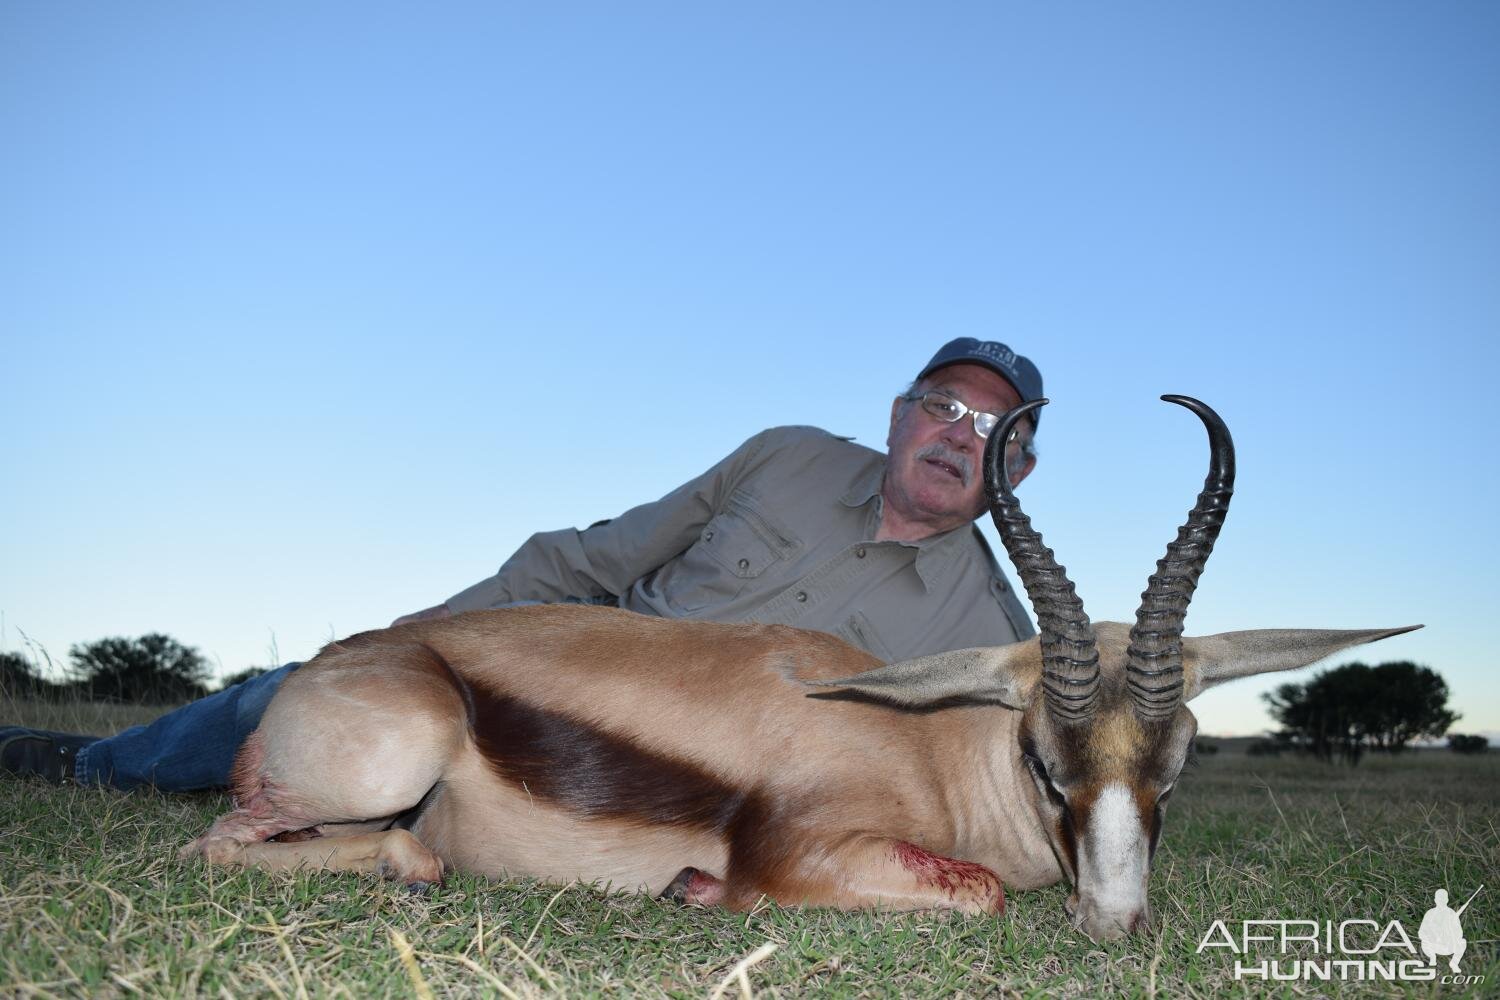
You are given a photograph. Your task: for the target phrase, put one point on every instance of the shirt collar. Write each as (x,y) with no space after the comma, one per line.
(937,555)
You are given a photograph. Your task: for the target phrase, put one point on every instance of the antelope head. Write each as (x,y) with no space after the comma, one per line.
(1105,729)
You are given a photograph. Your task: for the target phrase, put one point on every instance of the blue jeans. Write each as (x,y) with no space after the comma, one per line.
(186,750)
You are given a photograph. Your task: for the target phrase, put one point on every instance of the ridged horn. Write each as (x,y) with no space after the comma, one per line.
(1070,653)
(1153,667)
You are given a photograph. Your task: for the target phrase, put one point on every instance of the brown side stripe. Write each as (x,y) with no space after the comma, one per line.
(596,774)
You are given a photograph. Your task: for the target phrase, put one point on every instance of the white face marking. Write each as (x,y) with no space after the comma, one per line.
(1113,856)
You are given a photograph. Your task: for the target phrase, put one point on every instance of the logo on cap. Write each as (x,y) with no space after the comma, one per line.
(998,353)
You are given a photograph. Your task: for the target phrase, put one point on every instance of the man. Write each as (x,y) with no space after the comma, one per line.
(795,527)
(1441,933)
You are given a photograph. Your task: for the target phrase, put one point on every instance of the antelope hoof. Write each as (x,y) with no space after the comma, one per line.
(694,886)
(676,890)
(417,877)
(214,850)
(404,858)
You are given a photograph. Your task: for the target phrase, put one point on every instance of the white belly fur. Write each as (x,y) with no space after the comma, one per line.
(482,824)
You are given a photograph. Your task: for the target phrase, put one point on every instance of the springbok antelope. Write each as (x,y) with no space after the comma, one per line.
(721,763)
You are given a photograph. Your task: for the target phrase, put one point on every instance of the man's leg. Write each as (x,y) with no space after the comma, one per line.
(186,750)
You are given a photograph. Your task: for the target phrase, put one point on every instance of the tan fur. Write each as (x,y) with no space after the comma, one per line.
(839,790)
(392,853)
(1116,743)
(368,727)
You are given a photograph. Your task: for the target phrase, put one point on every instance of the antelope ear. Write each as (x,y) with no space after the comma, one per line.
(1213,659)
(1004,674)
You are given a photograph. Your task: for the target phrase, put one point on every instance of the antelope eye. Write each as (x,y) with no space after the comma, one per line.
(1161,799)
(1039,771)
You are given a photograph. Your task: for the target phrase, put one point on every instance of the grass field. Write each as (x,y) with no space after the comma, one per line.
(93,902)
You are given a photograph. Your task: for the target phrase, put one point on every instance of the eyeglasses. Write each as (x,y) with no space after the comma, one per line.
(950,410)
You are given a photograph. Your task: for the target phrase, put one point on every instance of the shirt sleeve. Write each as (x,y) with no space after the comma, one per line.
(606,558)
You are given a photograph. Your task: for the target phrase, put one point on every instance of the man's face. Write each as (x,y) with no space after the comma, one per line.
(934,473)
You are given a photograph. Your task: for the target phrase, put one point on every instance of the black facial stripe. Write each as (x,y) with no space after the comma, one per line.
(1067,838)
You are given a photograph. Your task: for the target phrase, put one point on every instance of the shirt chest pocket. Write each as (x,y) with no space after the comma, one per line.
(734,550)
(858,631)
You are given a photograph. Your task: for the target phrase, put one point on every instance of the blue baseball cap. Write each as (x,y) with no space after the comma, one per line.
(1016,369)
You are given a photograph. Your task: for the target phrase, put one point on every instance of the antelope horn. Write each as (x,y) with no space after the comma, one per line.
(1070,654)
(1153,667)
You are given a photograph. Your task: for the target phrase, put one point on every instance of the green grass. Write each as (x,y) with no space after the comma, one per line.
(93,902)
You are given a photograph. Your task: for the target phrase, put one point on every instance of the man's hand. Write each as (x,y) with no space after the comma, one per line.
(426,614)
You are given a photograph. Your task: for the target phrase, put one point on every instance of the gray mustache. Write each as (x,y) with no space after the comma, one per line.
(953,458)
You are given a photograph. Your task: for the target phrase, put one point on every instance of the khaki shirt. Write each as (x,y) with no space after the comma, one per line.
(780,531)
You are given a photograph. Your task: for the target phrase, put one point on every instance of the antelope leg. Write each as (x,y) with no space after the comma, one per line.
(883,873)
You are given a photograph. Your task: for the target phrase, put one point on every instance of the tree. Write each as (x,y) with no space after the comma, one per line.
(154,668)
(1409,702)
(1264,748)
(19,679)
(1357,707)
(1461,743)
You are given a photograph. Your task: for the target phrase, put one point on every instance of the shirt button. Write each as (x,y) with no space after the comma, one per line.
(744,564)
(708,536)
(802,596)
(859,553)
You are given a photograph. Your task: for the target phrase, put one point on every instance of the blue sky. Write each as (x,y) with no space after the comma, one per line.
(308,317)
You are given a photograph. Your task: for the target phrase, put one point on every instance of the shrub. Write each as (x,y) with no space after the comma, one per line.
(1464,743)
